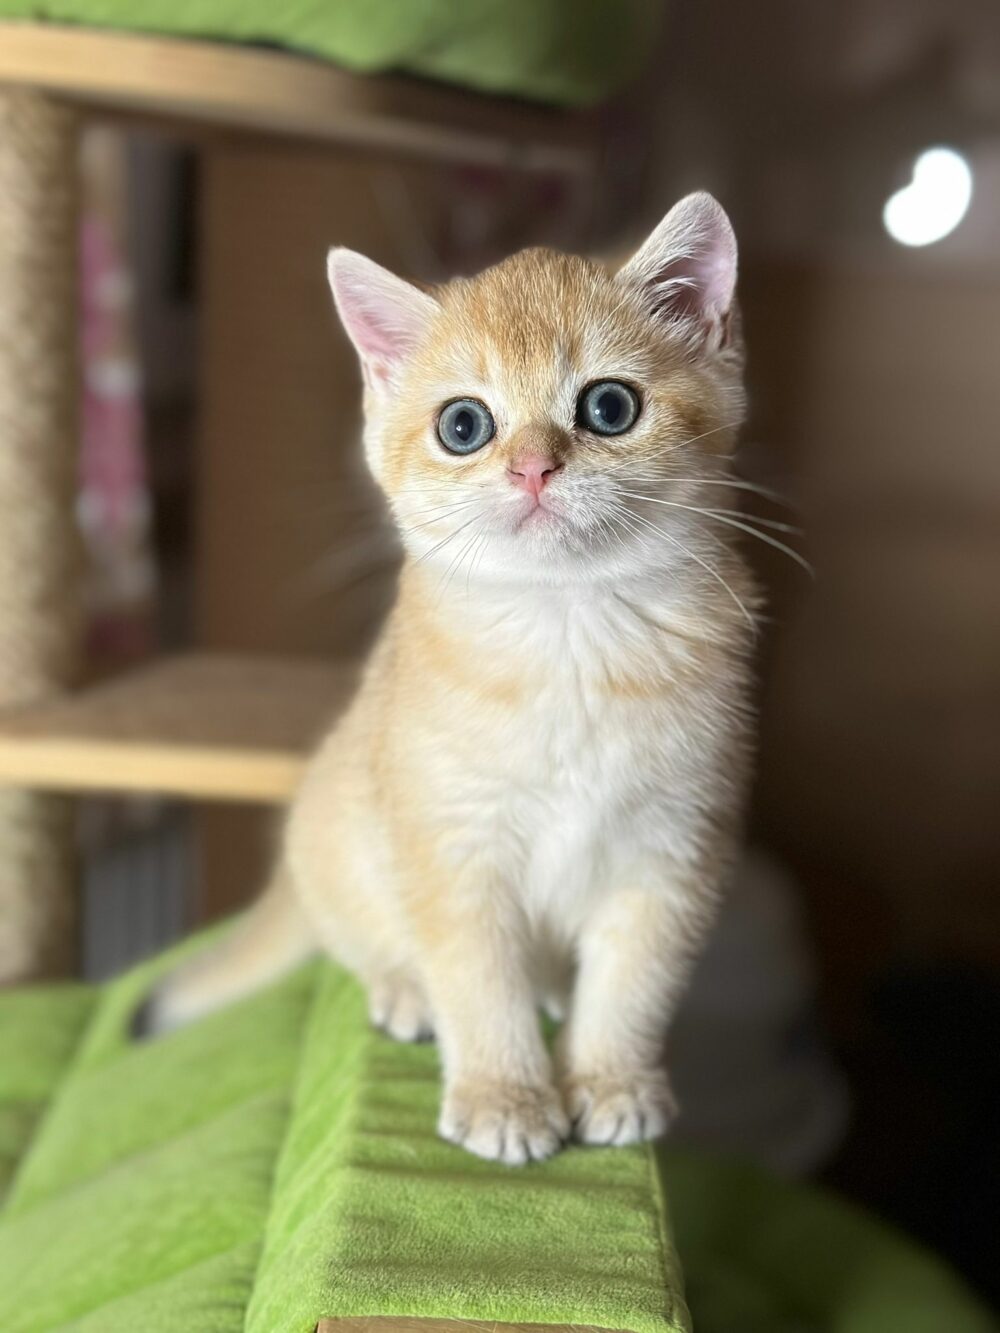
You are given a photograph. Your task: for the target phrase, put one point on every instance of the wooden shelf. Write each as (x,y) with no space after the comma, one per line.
(201,726)
(273,92)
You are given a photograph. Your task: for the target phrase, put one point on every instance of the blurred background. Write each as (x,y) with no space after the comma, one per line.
(845,1023)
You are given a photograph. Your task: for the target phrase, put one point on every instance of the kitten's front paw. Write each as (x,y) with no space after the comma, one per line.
(508,1122)
(399,1007)
(620,1110)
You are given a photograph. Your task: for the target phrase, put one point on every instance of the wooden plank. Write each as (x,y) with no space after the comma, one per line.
(199,726)
(274,92)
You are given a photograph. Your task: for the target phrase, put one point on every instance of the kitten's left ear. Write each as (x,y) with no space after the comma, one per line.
(686,270)
(385,317)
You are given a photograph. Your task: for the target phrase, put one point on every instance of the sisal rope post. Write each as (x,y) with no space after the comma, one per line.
(39,547)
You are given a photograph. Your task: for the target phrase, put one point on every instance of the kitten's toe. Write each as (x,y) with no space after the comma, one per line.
(510,1123)
(399,1007)
(619,1110)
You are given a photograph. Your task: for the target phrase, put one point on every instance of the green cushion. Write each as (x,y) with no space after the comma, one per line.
(764,1255)
(569,52)
(277,1163)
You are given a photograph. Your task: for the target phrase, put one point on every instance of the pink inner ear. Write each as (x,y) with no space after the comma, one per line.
(688,264)
(697,286)
(384,316)
(371,322)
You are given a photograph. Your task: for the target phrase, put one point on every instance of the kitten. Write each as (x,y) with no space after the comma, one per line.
(534,796)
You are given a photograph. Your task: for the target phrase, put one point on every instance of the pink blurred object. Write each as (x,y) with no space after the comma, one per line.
(114,503)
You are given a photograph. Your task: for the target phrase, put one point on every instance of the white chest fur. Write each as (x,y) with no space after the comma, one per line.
(612,735)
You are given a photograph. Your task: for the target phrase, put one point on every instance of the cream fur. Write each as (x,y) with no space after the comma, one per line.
(534,796)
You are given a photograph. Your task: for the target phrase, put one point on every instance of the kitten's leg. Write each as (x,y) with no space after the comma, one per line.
(270,939)
(499,1098)
(636,954)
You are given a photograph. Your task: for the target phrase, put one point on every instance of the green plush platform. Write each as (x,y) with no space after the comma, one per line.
(277,1163)
(569,52)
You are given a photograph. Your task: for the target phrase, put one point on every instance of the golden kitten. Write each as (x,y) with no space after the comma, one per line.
(534,796)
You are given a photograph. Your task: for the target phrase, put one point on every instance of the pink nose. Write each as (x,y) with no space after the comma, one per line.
(532,473)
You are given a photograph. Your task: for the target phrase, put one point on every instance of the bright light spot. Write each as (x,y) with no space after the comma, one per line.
(935,201)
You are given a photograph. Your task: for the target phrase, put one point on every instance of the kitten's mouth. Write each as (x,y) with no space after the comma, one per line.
(537,513)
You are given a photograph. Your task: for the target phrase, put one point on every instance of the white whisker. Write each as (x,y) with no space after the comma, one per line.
(730,522)
(450,537)
(693,439)
(455,564)
(477,555)
(692,555)
(437,516)
(755,518)
(737,483)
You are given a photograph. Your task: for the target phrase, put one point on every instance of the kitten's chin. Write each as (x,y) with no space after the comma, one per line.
(547,542)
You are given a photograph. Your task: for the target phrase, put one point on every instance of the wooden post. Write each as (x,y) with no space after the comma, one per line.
(39,550)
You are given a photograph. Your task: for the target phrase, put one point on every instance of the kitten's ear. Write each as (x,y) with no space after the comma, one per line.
(686,270)
(384,316)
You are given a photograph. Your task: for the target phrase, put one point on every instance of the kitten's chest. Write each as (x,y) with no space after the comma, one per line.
(575,734)
(593,773)
(564,744)
(593,699)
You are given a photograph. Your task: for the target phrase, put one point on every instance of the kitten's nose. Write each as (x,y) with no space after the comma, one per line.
(531,472)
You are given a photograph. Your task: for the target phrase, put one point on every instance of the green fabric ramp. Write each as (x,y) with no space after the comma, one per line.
(277,1163)
(569,52)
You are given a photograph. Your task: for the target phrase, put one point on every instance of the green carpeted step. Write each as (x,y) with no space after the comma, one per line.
(374,1214)
(277,1163)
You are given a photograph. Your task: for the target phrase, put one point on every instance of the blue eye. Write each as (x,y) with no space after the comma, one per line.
(465,426)
(607,408)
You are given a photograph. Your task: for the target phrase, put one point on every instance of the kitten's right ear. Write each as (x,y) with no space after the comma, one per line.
(385,317)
